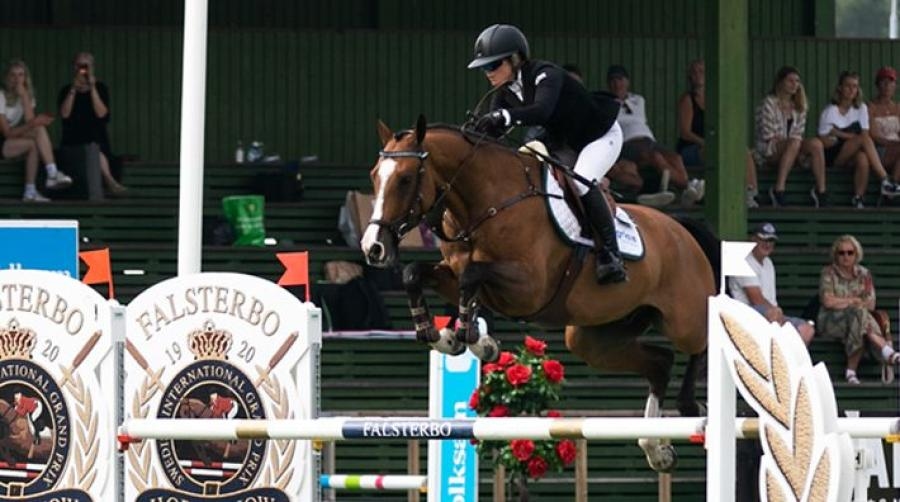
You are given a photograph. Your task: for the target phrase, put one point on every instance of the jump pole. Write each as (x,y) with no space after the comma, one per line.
(490,429)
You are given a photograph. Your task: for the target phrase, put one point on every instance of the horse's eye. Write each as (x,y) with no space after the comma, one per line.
(405,182)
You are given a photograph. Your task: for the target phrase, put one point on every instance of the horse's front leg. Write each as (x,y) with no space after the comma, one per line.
(481,344)
(438,276)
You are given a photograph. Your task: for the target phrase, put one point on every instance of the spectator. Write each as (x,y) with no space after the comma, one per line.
(844,129)
(884,119)
(640,145)
(691,111)
(760,291)
(84,108)
(780,125)
(847,296)
(24,134)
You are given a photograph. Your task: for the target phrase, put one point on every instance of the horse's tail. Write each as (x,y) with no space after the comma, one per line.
(707,240)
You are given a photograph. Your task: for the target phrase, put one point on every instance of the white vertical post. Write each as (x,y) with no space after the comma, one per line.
(193,111)
(892,28)
(720,429)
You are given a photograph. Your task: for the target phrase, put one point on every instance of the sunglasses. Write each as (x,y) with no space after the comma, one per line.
(846,253)
(492,66)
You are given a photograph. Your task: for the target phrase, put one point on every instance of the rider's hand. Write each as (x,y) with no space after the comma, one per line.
(491,123)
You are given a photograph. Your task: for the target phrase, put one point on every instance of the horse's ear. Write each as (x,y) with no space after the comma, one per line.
(421,126)
(384,133)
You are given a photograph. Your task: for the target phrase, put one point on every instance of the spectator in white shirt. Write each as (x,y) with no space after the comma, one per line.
(759,291)
(639,144)
(844,129)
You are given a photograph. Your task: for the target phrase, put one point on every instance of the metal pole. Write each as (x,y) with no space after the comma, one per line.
(193,112)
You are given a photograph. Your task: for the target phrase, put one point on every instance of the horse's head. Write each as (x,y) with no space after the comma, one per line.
(401,193)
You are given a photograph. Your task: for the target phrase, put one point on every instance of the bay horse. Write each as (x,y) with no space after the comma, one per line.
(500,250)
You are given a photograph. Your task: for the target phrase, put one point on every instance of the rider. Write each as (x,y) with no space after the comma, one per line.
(538,93)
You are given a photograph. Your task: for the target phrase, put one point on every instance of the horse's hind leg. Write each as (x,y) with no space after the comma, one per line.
(687,399)
(607,348)
(438,276)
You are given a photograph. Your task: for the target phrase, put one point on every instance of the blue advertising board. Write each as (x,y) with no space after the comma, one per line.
(453,378)
(50,245)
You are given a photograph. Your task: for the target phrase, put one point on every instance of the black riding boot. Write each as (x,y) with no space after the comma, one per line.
(609,267)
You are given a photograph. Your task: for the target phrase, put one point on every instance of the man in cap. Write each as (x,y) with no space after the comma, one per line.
(639,144)
(759,291)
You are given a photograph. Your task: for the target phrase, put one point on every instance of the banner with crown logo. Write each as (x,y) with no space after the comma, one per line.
(58,393)
(223,346)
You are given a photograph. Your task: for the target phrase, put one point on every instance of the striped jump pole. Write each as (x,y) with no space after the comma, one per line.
(373,482)
(377,428)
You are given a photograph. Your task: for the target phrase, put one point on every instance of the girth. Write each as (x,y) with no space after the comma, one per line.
(555,307)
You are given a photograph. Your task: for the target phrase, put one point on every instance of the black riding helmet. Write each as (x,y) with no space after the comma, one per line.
(496,42)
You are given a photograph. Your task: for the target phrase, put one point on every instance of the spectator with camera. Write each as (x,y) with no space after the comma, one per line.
(24,133)
(844,129)
(84,109)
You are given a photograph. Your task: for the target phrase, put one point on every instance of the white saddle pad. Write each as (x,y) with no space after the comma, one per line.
(630,243)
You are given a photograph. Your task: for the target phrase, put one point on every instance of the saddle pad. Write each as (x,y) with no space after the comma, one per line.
(631,245)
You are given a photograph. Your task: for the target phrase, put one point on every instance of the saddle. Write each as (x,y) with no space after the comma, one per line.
(567,213)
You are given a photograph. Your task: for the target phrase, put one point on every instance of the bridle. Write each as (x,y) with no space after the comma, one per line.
(402,225)
(407,221)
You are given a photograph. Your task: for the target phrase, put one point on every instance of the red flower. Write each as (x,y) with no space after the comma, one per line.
(522,448)
(505,359)
(554,370)
(553,414)
(535,346)
(473,401)
(566,451)
(490,368)
(499,411)
(537,467)
(518,374)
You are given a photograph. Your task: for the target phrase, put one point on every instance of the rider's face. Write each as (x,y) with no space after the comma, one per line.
(500,75)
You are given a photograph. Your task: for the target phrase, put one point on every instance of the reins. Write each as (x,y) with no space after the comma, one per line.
(433,215)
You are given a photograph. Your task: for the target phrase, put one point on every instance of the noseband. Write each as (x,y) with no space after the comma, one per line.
(402,225)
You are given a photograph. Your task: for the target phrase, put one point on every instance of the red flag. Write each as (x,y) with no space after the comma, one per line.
(99,270)
(296,270)
(441,321)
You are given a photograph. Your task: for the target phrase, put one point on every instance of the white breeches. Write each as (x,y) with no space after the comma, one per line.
(598,157)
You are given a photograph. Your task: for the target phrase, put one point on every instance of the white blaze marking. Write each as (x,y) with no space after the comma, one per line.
(385,171)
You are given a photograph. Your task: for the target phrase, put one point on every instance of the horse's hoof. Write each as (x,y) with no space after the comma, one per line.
(447,343)
(486,348)
(666,459)
(428,335)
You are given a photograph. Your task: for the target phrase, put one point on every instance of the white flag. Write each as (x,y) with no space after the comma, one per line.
(734,259)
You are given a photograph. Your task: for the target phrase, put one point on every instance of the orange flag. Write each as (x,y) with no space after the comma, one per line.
(99,270)
(296,270)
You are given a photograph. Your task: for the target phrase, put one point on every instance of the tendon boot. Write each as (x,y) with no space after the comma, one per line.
(609,266)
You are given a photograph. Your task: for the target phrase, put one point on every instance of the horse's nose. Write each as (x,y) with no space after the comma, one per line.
(375,253)
(372,246)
